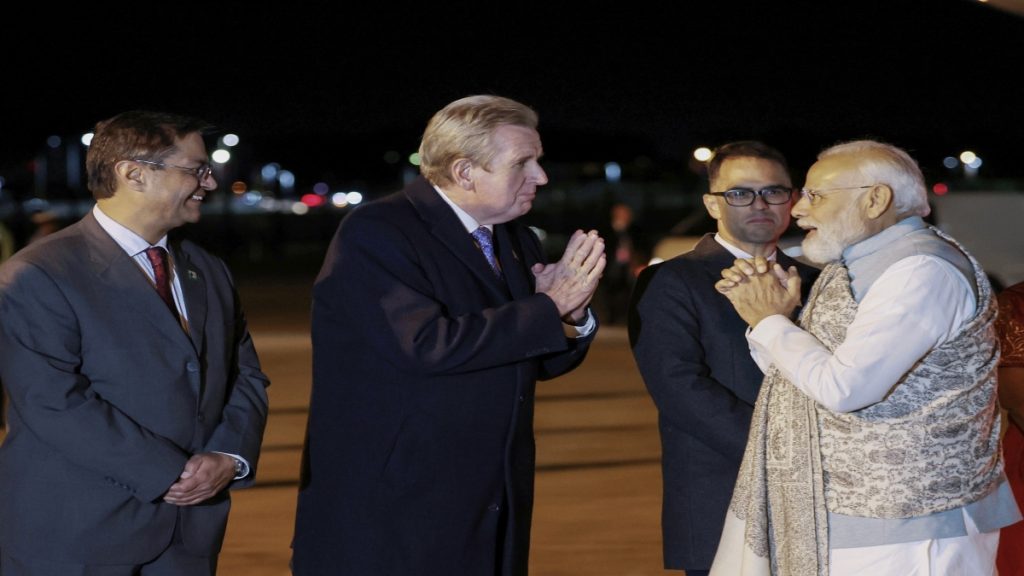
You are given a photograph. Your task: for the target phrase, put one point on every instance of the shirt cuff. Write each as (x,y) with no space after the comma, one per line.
(242,467)
(768,329)
(588,326)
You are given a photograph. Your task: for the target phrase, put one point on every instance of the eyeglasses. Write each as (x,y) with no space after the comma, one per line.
(201,172)
(814,195)
(745,196)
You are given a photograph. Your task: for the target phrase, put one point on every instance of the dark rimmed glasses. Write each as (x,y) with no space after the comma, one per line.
(745,196)
(201,172)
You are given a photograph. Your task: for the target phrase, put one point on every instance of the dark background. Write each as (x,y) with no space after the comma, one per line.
(328,89)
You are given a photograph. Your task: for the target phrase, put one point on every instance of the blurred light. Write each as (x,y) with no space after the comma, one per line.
(612,172)
(950,162)
(392,157)
(354,197)
(269,171)
(321,188)
(967,157)
(298,208)
(87,138)
(655,260)
(702,154)
(286,179)
(940,189)
(339,199)
(541,233)
(53,141)
(229,140)
(35,205)
(414,158)
(238,187)
(976,163)
(312,200)
(221,156)
(252,197)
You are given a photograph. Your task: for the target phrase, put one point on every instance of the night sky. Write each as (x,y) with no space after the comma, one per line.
(328,89)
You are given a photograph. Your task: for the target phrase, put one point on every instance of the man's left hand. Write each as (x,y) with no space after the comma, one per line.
(204,476)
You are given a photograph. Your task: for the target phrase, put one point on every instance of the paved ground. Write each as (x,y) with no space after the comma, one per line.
(598,479)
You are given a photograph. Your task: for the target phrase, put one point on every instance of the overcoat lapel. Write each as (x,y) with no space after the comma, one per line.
(448,229)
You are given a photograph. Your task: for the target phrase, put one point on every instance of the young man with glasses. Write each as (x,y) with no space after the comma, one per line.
(688,343)
(137,397)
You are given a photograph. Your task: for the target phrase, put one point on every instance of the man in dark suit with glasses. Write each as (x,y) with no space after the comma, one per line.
(689,344)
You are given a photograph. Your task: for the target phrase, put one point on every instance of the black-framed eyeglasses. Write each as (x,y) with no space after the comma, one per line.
(814,195)
(201,172)
(745,196)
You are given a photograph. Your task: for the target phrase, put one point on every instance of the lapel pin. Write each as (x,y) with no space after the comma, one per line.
(192,275)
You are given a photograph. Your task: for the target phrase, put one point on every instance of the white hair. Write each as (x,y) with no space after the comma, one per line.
(886,164)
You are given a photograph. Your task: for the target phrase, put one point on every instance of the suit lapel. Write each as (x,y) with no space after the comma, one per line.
(127,283)
(714,256)
(193,288)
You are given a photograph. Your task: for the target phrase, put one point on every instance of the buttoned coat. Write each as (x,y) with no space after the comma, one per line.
(690,346)
(419,458)
(109,397)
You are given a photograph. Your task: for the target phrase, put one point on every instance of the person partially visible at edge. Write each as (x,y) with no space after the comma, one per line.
(1010,326)
(874,445)
(136,396)
(689,344)
(434,315)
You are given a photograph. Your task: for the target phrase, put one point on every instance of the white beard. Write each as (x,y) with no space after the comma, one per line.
(827,244)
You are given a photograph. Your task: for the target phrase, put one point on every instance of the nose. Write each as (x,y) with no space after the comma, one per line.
(800,208)
(759,203)
(208,183)
(541,177)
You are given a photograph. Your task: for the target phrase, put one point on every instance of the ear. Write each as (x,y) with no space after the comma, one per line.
(461,172)
(712,206)
(130,174)
(878,200)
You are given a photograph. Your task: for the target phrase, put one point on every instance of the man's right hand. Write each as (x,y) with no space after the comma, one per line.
(572,281)
(758,289)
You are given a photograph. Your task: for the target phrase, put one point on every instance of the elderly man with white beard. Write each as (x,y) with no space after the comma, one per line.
(874,446)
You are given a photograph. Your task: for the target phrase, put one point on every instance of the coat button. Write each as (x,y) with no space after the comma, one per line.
(522,398)
(494,508)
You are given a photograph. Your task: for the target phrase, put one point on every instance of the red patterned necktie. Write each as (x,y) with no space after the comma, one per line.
(162,276)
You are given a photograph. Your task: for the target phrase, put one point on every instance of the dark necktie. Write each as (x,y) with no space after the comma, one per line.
(484,239)
(162,276)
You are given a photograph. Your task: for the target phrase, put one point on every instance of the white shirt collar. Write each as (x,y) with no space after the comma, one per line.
(737,252)
(468,221)
(129,241)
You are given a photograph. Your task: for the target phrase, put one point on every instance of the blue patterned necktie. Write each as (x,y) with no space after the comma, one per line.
(483,238)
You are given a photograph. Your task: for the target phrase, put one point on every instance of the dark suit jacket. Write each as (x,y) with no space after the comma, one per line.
(109,398)
(420,450)
(690,346)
